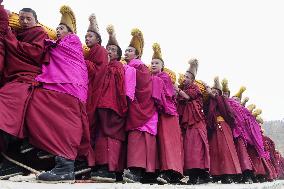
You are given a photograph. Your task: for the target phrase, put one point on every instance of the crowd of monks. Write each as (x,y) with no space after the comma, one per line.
(65,106)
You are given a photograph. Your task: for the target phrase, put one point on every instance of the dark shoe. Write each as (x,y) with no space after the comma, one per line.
(103,175)
(227,179)
(26,147)
(164,178)
(204,178)
(192,180)
(44,155)
(247,180)
(9,169)
(131,176)
(63,172)
(82,170)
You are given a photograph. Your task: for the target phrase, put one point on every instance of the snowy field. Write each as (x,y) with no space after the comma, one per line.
(25,185)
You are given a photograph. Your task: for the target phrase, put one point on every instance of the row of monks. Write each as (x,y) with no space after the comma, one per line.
(65,107)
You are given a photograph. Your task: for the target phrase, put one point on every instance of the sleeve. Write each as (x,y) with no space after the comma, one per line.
(34,50)
(130,81)
(193,92)
(226,111)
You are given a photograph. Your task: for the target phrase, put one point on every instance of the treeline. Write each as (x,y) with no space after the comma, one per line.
(275,130)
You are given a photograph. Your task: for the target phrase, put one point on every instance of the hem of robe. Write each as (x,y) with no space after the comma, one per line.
(196,147)
(142,150)
(14,99)
(170,145)
(245,161)
(57,123)
(223,155)
(256,161)
(110,152)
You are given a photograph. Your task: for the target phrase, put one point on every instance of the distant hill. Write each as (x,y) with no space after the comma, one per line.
(275,130)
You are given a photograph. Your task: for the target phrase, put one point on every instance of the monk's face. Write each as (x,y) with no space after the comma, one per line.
(226,94)
(112,52)
(91,39)
(130,54)
(156,66)
(236,98)
(215,91)
(188,78)
(62,31)
(27,20)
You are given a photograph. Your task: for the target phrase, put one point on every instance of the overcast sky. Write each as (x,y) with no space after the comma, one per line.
(242,40)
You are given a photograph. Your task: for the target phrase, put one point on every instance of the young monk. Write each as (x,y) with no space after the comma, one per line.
(192,121)
(169,133)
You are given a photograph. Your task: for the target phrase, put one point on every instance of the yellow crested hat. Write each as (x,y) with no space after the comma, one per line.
(240,92)
(259,119)
(68,18)
(193,66)
(157,53)
(256,112)
(225,87)
(245,100)
(137,41)
(217,84)
(112,37)
(251,107)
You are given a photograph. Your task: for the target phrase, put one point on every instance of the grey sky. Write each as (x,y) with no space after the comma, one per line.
(240,40)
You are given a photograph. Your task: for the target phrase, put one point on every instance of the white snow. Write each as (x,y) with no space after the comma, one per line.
(279,184)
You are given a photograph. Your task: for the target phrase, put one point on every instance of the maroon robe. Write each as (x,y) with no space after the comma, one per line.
(141,148)
(24,55)
(169,136)
(110,119)
(3,31)
(223,155)
(97,61)
(196,148)
(57,123)
(245,161)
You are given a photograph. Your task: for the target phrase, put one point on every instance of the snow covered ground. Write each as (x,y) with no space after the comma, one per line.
(25,185)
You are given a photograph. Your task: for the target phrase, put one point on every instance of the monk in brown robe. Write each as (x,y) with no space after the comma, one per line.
(192,120)
(24,55)
(224,162)
(110,134)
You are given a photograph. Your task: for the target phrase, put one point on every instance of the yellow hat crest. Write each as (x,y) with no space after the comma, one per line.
(137,41)
(172,74)
(259,119)
(157,52)
(246,99)
(251,107)
(68,18)
(240,92)
(225,87)
(256,112)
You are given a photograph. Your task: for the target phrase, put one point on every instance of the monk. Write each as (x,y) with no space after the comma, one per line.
(24,56)
(224,162)
(56,116)
(192,120)
(142,117)
(169,132)
(110,135)
(97,61)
